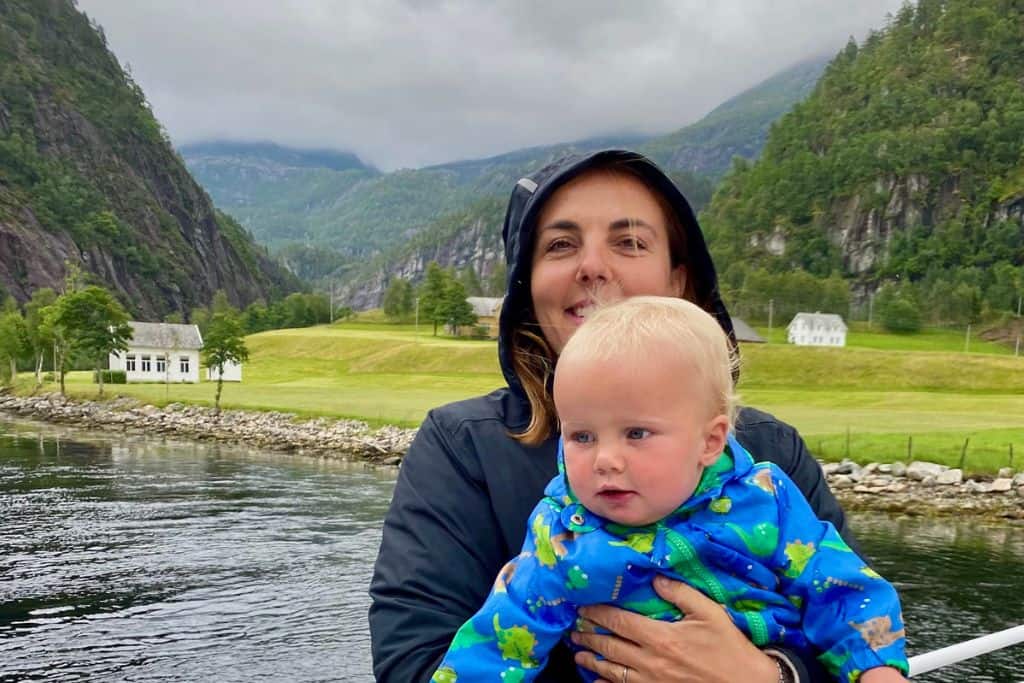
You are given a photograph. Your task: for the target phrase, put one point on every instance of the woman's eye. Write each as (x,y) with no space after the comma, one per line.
(637,433)
(559,245)
(632,243)
(582,437)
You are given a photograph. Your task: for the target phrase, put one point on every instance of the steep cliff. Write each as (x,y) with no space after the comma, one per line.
(905,164)
(88,177)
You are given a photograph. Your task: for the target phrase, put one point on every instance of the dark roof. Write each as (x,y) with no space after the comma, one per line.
(745,333)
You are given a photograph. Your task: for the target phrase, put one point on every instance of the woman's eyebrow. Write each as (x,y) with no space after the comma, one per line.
(630,224)
(564,224)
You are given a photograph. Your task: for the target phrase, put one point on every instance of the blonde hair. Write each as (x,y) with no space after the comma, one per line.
(638,328)
(533,359)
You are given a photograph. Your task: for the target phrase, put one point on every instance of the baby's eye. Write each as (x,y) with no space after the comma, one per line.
(581,437)
(637,433)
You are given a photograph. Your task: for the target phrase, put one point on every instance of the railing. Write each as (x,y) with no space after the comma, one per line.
(968,649)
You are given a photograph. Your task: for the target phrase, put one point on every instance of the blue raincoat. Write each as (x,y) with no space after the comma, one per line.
(746,538)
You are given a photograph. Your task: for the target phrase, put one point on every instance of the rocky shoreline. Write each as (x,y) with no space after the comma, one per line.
(341,439)
(920,488)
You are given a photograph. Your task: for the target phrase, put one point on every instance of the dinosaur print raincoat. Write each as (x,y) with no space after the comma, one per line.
(746,538)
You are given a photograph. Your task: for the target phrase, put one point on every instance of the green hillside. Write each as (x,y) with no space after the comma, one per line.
(737,127)
(394,373)
(905,165)
(88,178)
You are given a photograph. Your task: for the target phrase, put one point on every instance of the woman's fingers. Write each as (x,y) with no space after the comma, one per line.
(690,601)
(609,671)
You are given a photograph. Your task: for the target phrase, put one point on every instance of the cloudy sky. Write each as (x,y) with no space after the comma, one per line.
(406,83)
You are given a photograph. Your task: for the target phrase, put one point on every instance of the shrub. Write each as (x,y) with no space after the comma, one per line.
(111,377)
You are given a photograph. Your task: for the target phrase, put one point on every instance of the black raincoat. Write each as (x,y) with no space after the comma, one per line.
(466,488)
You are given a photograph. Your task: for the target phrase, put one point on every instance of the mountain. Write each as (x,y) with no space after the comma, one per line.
(905,165)
(88,177)
(737,127)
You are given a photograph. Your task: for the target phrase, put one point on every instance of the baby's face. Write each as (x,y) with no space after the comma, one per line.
(637,434)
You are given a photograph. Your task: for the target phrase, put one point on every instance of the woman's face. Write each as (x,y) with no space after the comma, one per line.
(600,237)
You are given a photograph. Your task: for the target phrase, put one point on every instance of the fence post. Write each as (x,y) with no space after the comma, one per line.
(1011,455)
(910,448)
(963,453)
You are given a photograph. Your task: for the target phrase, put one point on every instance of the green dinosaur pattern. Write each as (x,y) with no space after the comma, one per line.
(467,636)
(642,542)
(576,578)
(761,540)
(445,674)
(516,643)
(799,554)
(545,549)
(513,675)
(655,608)
(721,505)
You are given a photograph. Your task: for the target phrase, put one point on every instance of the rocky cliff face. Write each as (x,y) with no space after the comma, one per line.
(75,129)
(477,245)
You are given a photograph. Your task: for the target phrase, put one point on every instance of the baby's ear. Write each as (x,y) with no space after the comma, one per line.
(716,433)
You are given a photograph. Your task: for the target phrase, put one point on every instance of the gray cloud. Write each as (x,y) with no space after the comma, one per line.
(426,81)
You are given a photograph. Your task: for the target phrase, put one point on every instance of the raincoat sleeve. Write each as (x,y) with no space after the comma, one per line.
(769,438)
(434,567)
(849,613)
(525,615)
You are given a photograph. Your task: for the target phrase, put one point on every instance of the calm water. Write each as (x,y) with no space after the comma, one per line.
(138,559)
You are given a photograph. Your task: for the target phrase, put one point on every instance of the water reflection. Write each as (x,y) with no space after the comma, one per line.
(128,558)
(958,579)
(138,558)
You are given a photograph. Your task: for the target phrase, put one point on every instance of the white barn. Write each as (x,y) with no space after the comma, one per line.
(817,329)
(232,372)
(160,352)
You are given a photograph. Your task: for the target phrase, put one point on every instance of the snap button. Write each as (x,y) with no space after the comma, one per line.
(577,519)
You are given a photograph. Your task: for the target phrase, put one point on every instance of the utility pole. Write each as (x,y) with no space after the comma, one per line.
(871,306)
(1019,299)
(967,339)
(417,316)
(332,302)
(771,313)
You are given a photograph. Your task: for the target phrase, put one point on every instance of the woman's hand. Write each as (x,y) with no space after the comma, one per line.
(704,646)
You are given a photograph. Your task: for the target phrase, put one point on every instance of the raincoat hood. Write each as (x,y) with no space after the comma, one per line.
(518,233)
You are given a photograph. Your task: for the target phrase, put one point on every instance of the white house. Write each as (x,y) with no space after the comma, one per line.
(817,329)
(232,372)
(160,352)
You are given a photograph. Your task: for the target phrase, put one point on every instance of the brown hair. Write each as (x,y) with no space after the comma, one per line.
(533,360)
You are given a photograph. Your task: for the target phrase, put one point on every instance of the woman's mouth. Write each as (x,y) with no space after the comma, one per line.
(579,312)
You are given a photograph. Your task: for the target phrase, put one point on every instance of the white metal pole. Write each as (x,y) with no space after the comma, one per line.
(968,649)
(417,316)
(967,339)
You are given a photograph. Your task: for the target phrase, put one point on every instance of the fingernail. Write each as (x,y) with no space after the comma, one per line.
(584,612)
(575,637)
(661,580)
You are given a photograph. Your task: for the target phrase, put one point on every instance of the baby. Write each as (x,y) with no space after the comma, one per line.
(651,481)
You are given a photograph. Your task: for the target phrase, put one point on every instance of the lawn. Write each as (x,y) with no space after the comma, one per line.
(883,396)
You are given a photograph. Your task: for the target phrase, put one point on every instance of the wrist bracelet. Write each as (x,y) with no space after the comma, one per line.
(787,672)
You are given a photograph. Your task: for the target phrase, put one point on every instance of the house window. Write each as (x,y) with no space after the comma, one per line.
(129,363)
(147,365)
(183,365)
(161,364)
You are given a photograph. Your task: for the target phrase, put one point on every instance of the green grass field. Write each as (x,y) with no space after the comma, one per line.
(881,395)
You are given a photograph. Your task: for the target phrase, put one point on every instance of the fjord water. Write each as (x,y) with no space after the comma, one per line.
(134,558)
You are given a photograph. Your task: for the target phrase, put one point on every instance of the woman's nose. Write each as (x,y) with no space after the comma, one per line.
(593,266)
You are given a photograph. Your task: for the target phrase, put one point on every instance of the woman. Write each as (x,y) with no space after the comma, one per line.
(598,227)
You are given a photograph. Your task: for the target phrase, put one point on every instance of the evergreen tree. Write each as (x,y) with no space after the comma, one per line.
(455,311)
(398,299)
(470,282)
(432,295)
